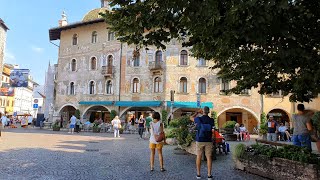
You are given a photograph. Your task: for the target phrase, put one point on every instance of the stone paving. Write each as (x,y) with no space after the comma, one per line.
(43,154)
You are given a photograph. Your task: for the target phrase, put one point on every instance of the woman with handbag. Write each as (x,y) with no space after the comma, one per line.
(157,139)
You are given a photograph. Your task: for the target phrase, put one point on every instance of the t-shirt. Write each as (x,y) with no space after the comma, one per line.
(73,120)
(282,129)
(272,126)
(30,119)
(4,119)
(148,120)
(116,123)
(205,119)
(300,124)
(141,122)
(242,129)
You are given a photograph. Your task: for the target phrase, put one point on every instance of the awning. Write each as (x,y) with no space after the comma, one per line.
(96,102)
(138,103)
(181,104)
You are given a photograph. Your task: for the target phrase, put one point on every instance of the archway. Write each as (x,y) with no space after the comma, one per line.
(279,115)
(96,113)
(240,115)
(66,112)
(135,112)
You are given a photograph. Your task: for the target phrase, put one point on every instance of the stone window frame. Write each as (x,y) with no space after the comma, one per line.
(72,91)
(187,57)
(111,36)
(96,63)
(107,88)
(135,85)
(203,64)
(73,66)
(94,37)
(182,85)
(200,90)
(155,56)
(90,90)
(75,39)
(224,86)
(157,85)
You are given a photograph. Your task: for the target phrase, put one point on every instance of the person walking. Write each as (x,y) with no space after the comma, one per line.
(73,121)
(30,118)
(204,125)
(156,128)
(302,128)
(272,129)
(116,123)
(147,124)
(3,120)
(141,123)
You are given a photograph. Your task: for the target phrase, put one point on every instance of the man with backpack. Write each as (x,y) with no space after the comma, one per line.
(204,125)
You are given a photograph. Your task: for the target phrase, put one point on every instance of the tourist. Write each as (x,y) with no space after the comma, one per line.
(4,121)
(147,124)
(116,123)
(301,128)
(30,118)
(282,131)
(156,129)
(272,129)
(236,130)
(78,123)
(204,126)
(73,121)
(243,132)
(141,123)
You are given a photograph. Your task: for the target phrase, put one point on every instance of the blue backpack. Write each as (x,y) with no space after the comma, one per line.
(205,130)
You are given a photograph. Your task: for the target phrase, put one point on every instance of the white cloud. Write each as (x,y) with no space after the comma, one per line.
(37,49)
(9,57)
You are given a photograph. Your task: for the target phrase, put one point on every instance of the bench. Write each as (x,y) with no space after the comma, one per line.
(271,142)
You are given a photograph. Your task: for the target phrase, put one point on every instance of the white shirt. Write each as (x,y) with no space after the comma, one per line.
(73,120)
(4,119)
(30,119)
(242,129)
(154,129)
(115,123)
(282,129)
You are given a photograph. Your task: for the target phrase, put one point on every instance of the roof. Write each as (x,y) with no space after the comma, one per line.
(3,24)
(54,33)
(94,14)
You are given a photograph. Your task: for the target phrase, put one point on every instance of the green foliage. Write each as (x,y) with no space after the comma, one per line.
(113,114)
(183,130)
(290,152)
(214,115)
(164,115)
(77,114)
(316,122)
(271,44)
(229,124)
(263,118)
(263,129)
(169,132)
(239,150)
(56,124)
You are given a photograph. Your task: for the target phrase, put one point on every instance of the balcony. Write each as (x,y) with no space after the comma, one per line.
(107,71)
(156,66)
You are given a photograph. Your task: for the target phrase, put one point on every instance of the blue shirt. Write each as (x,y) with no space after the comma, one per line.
(205,119)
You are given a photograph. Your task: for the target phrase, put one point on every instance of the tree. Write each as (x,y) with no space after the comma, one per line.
(270,44)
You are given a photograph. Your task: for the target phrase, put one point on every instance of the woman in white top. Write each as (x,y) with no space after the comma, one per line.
(156,127)
(116,123)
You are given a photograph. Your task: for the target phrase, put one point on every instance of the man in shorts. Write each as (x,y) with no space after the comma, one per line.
(203,141)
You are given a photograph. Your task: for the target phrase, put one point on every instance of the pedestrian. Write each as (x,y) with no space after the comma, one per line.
(147,124)
(141,123)
(301,128)
(272,129)
(116,123)
(157,139)
(78,123)
(4,120)
(204,126)
(30,118)
(73,121)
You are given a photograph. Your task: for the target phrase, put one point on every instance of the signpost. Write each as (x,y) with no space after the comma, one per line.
(35,106)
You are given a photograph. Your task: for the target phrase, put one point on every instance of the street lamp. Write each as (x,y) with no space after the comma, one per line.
(172,102)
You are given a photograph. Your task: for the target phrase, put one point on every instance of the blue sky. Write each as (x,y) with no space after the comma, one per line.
(29,22)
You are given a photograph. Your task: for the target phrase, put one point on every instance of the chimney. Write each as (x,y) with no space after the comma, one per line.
(63,21)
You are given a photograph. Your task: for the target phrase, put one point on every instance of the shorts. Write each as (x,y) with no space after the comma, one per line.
(156,146)
(207,146)
(71,126)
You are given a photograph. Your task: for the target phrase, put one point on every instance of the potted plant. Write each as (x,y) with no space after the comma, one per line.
(263,131)
(228,127)
(316,123)
(56,125)
(97,126)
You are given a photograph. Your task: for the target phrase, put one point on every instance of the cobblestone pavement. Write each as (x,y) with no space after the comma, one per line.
(42,154)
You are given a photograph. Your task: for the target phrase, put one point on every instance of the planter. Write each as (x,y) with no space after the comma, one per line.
(96,129)
(227,130)
(56,128)
(263,136)
(277,168)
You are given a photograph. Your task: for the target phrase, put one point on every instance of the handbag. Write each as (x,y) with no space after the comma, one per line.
(159,137)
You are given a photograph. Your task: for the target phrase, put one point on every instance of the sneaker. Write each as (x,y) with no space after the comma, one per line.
(210,177)
(198,177)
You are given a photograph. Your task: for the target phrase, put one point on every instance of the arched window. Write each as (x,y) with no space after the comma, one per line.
(184,58)
(91,87)
(73,65)
(109,87)
(72,88)
(110,60)
(183,85)
(75,39)
(202,85)
(157,82)
(135,85)
(93,63)
(158,57)
(94,37)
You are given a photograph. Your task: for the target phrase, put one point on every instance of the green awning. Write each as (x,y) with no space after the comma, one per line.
(181,104)
(96,103)
(138,103)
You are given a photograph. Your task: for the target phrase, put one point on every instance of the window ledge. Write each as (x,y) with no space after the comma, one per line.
(183,65)
(183,93)
(203,93)
(224,93)
(201,66)
(244,94)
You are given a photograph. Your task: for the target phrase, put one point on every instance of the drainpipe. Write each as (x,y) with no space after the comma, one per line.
(120,69)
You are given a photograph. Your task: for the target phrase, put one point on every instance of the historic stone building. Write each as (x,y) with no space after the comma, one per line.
(97,74)
(3,39)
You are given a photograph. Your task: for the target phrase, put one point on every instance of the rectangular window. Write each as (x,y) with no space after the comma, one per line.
(110,36)
(245,92)
(225,85)
(202,62)
(136,61)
